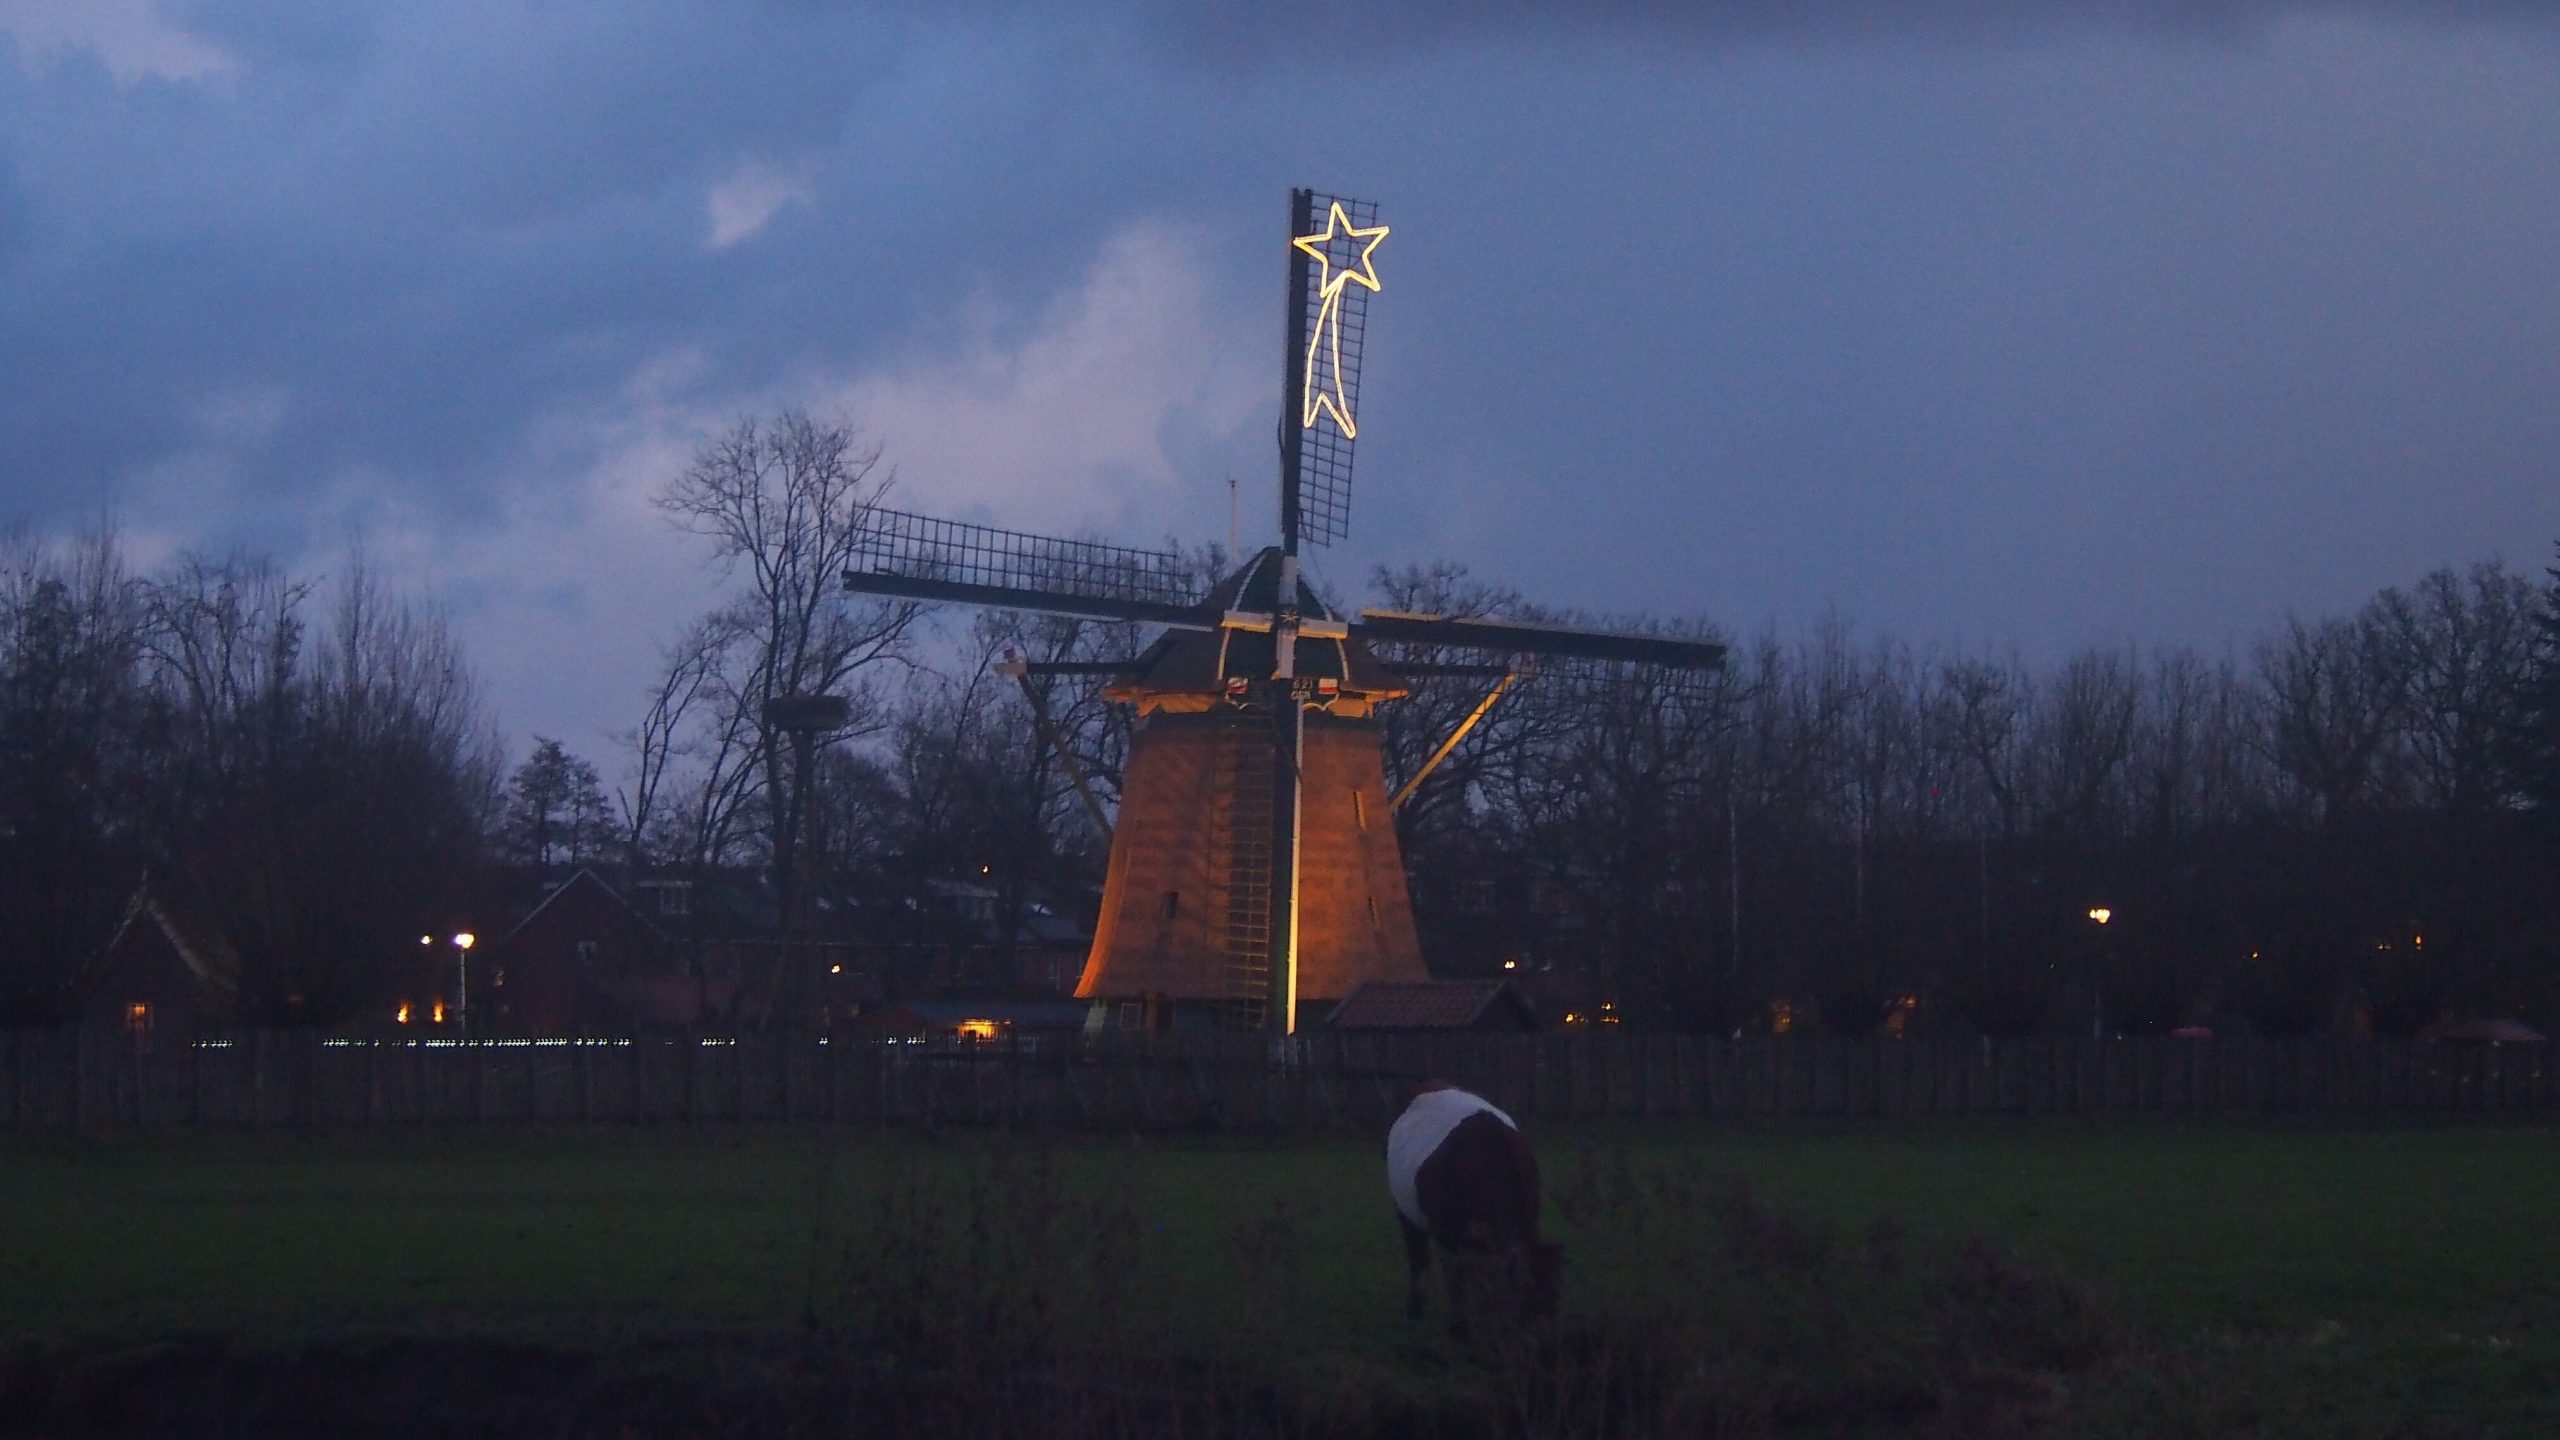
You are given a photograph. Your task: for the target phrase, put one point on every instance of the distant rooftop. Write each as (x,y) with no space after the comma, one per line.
(1433,1005)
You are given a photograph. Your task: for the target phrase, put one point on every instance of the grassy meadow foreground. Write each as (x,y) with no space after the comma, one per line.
(2030,1278)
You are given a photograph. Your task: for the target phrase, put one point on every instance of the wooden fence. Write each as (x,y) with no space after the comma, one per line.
(62,1079)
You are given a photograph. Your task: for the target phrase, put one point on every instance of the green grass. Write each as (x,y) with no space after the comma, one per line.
(2406,1272)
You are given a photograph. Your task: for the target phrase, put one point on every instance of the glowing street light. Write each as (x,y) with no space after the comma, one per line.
(2097,996)
(462,943)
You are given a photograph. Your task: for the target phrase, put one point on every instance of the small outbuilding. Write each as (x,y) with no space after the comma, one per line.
(1434,1006)
(160,976)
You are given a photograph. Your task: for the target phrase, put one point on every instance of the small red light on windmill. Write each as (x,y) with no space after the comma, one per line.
(1328,687)
(1237,685)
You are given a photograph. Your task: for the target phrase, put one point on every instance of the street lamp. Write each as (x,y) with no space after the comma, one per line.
(462,943)
(2099,914)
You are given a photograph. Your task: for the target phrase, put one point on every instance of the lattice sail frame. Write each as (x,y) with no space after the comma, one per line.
(1574,679)
(920,547)
(1332,275)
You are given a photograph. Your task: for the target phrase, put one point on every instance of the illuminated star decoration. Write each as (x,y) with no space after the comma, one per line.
(1326,341)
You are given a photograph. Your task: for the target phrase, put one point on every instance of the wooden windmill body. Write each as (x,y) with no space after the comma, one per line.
(1187,905)
(1254,864)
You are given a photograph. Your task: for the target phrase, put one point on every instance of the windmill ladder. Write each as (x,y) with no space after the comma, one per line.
(1244,770)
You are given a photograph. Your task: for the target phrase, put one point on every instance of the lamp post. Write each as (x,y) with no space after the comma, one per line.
(462,943)
(2099,915)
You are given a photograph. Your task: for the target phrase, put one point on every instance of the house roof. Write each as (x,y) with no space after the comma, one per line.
(589,876)
(1429,1005)
(206,955)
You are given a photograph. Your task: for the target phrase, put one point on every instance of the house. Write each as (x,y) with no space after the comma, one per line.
(951,938)
(612,951)
(159,978)
(584,957)
(1441,1006)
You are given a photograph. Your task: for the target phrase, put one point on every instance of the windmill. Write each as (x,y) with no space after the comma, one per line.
(1255,858)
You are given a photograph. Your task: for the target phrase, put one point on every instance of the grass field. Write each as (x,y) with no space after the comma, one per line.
(2281,1279)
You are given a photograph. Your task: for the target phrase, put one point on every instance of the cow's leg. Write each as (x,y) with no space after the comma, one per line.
(1417,1260)
(1461,1273)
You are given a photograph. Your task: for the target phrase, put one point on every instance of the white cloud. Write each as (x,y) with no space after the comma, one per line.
(128,36)
(563,600)
(744,203)
(1067,427)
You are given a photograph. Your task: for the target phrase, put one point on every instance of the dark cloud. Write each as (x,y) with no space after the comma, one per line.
(1997,321)
(1294,33)
(425,234)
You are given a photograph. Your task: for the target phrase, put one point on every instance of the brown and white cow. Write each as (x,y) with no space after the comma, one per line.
(1463,1181)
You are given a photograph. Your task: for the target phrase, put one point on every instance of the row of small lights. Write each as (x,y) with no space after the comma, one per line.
(706,1041)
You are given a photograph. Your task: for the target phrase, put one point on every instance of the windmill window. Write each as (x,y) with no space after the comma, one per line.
(1172,903)
(1360,811)
(586,952)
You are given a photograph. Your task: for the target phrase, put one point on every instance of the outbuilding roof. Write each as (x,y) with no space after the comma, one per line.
(1433,1005)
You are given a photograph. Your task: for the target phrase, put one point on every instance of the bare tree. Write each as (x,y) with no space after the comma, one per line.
(2466,640)
(72,760)
(321,803)
(782,505)
(2533,751)
(2335,693)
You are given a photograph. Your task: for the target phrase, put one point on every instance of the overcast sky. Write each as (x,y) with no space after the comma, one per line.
(1980,326)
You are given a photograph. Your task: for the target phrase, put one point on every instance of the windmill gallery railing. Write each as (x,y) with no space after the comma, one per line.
(69,1079)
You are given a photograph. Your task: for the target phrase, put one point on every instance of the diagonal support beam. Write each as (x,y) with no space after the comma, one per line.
(1021,674)
(1404,793)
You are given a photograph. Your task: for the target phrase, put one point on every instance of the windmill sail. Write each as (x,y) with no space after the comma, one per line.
(1527,637)
(1332,272)
(922,558)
